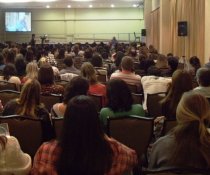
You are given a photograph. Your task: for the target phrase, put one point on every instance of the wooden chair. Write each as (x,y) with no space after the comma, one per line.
(58,125)
(7,95)
(153,104)
(28,131)
(5,85)
(178,171)
(98,100)
(101,78)
(137,98)
(50,99)
(61,82)
(168,125)
(133,131)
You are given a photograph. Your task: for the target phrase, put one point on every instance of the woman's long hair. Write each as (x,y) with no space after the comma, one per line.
(119,95)
(88,71)
(181,82)
(191,134)
(3,141)
(29,98)
(84,150)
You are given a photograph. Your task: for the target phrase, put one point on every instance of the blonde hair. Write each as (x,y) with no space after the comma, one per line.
(88,71)
(32,70)
(193,113)
(29,98)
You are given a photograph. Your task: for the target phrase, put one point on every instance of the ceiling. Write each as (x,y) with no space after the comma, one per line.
(70,4)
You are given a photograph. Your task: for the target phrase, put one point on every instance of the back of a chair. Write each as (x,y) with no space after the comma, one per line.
(50,99)
(168,125)
(133,88)
(154,106)
(62,83)
(28,132)
(58,125)
(101,78)
(4,85)
(133,131)
(7,95)
(98,100)
(137,98)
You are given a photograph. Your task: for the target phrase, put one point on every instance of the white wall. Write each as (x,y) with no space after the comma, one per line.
(66,25)
(207,33)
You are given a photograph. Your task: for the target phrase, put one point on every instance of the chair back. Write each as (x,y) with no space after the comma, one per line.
(133,131)
(7,95)
(98,100)
(137,98)
(50,99)
(28,131)
(101,78)
(154,106)
(62,83)
(58,125)
(168,125)
(5,85)
(178,171)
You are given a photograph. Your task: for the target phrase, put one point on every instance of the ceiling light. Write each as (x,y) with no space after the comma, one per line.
(21,1)
(112,5)
(135,5)
(47,6)
(90,6)
(69,6)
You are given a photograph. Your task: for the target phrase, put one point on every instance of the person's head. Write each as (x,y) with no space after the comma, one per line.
(173,63)
(8,71)
(10,57)
(32,70)
(97,60)
(45,74)
(88,71)
(82,140)
(33,35)
(118,58)
(29,56)
(153,70)
(20,65)
(119,95)
(192,136)
(162,61)
(77,86)
(127,64)
(181,82)
(68,61)
(88,53)
(29,98)
(1,59)
(195,62)
(203,77)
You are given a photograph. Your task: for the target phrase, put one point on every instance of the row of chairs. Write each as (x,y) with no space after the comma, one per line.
(135,132)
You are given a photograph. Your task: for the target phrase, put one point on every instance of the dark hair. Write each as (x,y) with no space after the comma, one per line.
(153,70)
(68,61)
(203,76)
(1,59)
(29,56)
(10,58)
(45,74)
(195,62)
(96,60)
(119,95)
(8,71)
(84,149)
(118,58)
(77,86)
(20,65)
(173,63)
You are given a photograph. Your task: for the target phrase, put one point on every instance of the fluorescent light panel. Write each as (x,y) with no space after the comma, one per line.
(21,1)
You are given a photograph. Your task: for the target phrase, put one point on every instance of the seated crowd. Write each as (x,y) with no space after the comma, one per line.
(37,71)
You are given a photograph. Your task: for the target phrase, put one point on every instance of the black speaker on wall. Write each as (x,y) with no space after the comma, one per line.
(182,28)
(143,32)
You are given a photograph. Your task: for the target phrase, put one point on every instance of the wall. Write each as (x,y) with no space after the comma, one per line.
(207,33)
(66,25)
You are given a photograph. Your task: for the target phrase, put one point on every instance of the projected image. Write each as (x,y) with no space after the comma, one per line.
(18,21)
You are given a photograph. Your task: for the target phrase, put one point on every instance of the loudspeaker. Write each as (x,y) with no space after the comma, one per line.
(143,32)
(182,28)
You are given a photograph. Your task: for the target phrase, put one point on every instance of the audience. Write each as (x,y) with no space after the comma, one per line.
(20,65)
(12,159)
(203,79)
(120,102)
(2,65)
(188,144)
(31,72)
(77,86)
(82,145)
